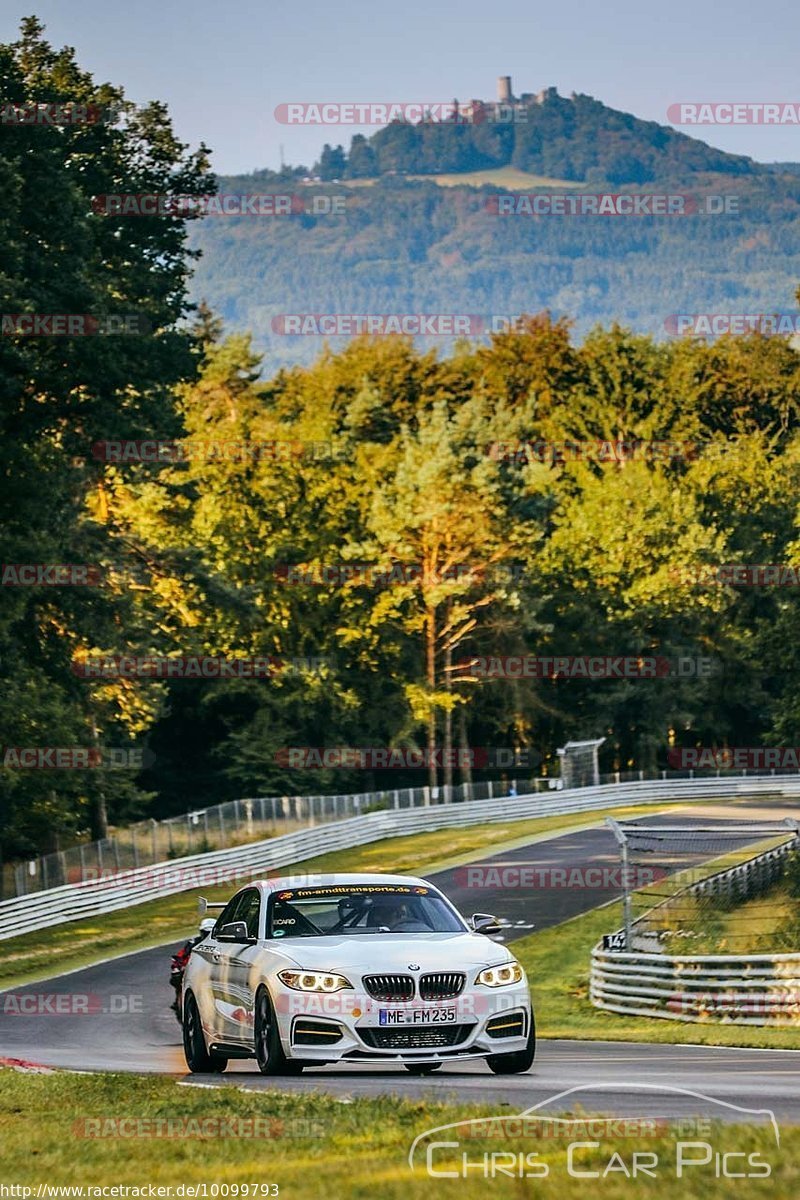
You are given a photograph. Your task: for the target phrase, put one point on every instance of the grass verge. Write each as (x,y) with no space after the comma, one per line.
(77,944)
(315,1146)
(510,178)
(557,963)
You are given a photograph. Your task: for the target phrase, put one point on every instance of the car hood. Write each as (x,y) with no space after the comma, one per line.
(390,953)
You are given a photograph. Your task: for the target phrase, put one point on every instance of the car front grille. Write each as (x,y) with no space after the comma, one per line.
(419,1037)
(390,987)
(443,985)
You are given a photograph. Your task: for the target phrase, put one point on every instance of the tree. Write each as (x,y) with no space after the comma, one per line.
(332,163)
(62,395)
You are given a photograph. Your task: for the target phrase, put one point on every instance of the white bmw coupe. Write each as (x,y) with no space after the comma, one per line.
(353,968)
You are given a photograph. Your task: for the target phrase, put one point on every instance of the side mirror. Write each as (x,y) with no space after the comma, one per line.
(206,925)
(235,932)
(484,923)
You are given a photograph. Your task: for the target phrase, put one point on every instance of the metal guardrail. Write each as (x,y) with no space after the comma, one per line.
(136,886)
(220,826)
(736,989)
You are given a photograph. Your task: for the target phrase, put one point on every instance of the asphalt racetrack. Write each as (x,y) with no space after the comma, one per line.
(127,1024)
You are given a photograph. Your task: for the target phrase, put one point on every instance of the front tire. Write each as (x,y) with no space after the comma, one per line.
(519,1060)
(269,1051)
(198,1058)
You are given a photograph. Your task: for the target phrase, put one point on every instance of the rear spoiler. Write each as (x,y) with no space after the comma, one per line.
(204,905)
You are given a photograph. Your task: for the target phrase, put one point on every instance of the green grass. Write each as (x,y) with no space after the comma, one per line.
(510,178)
(557,963)
(767,924)
(59,948)
(320,1146)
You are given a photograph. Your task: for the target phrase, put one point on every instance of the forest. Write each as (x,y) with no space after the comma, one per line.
(359,533)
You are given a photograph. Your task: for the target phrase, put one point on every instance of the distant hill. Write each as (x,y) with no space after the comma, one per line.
(430,240)
(577,138)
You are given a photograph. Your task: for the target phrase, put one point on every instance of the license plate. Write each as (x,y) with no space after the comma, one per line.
(416,1016)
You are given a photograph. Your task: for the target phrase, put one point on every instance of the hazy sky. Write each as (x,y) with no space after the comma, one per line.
(223,65)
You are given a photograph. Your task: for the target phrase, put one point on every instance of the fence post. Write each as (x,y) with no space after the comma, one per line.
(222,826)
(622,842)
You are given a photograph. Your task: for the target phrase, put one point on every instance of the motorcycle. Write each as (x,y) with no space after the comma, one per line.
(180,961)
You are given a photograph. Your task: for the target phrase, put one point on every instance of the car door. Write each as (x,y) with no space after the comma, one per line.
(208,982)
(241,959)
(217,952)
(233,997)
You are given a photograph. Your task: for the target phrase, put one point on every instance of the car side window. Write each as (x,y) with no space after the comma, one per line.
(228,913)
(249,911)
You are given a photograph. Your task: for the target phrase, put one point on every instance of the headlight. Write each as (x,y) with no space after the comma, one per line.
(313,981)
(500,976)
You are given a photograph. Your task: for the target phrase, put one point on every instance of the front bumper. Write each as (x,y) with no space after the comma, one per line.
(346,1026)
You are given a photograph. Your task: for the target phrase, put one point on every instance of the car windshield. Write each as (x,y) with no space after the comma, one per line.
(359,910)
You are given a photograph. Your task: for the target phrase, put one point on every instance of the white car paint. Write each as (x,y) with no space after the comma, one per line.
(224,977)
